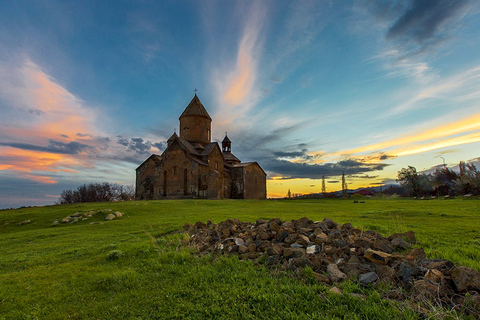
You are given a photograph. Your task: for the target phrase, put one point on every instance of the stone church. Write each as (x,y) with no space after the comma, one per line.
(192,166)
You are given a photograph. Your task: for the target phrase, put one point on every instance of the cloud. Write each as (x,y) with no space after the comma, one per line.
(426,20)
(290,170)
(455,133)
(49,135)
(53,147)
(139,145)
(414,31)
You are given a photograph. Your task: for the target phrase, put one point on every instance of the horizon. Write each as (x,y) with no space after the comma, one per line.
(306,89)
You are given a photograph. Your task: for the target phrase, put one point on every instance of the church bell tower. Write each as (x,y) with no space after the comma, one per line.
(195,123)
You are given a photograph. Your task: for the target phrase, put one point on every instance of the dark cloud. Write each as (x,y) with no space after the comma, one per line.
(139,145)
(53,147)
(419,26)
(366,176)
(290,170)
(425,19)
(294,154)
(333,181)
(36,112)
(83,135)
(63,136)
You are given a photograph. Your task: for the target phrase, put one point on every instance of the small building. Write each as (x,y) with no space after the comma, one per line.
(194,167)
(365,192)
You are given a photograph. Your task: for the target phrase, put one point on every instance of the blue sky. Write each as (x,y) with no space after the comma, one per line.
(89,89)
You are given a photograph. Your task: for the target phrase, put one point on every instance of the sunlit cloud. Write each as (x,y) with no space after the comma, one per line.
(234,81)
(48,133)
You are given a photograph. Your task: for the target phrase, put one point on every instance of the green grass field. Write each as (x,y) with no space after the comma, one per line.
(135,268)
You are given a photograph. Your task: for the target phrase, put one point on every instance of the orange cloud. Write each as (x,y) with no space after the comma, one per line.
(53,114)
(460,132)
(242,79)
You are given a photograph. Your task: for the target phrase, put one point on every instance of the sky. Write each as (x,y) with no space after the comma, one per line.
(89,89)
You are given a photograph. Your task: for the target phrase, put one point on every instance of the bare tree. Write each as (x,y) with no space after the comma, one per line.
(97,192)
(344,186)
(324,188)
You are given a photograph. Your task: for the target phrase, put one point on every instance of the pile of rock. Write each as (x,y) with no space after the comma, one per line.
(85,215)
(337,252)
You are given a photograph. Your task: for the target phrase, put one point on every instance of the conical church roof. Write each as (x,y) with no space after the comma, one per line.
(195,108)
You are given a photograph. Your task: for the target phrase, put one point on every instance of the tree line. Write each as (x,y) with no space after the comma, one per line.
(442,181)
(97,192)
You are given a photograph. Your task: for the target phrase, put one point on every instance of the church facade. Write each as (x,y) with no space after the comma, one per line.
(192,166)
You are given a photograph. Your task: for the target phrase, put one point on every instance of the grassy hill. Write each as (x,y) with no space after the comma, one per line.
(134,267)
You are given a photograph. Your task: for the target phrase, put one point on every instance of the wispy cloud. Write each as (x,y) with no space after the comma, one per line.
(234,82)
(413,32)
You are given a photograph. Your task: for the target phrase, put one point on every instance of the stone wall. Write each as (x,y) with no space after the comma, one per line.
(195,129)
(255,184)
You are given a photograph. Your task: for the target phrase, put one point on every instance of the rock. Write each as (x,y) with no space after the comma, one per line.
(347,226)
(274,250)
(66,220)
(363,243)
(399,243)
(439,264)
(466,279)
(367,278)
(313,249)
(239,242)
(408,236)
(55,222)
(407,272)
(296,245)
(322,278)
(296,263)
(383,245)
(416,254)
(335,290)
(426,288)
(118,214)
(252,247)
(377,257)
(303,240)
(335,274)
(293,253)
(272,260)
(282,235)
(385,273)
(242,249)
(24,222)
(109,217)
(434,275)
(225,232)
(200,225)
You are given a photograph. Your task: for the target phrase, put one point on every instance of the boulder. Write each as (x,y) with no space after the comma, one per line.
(335,274)
(466,279)
(399,243)
(367,278)
(109,217)
(377,257)
(408,236)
